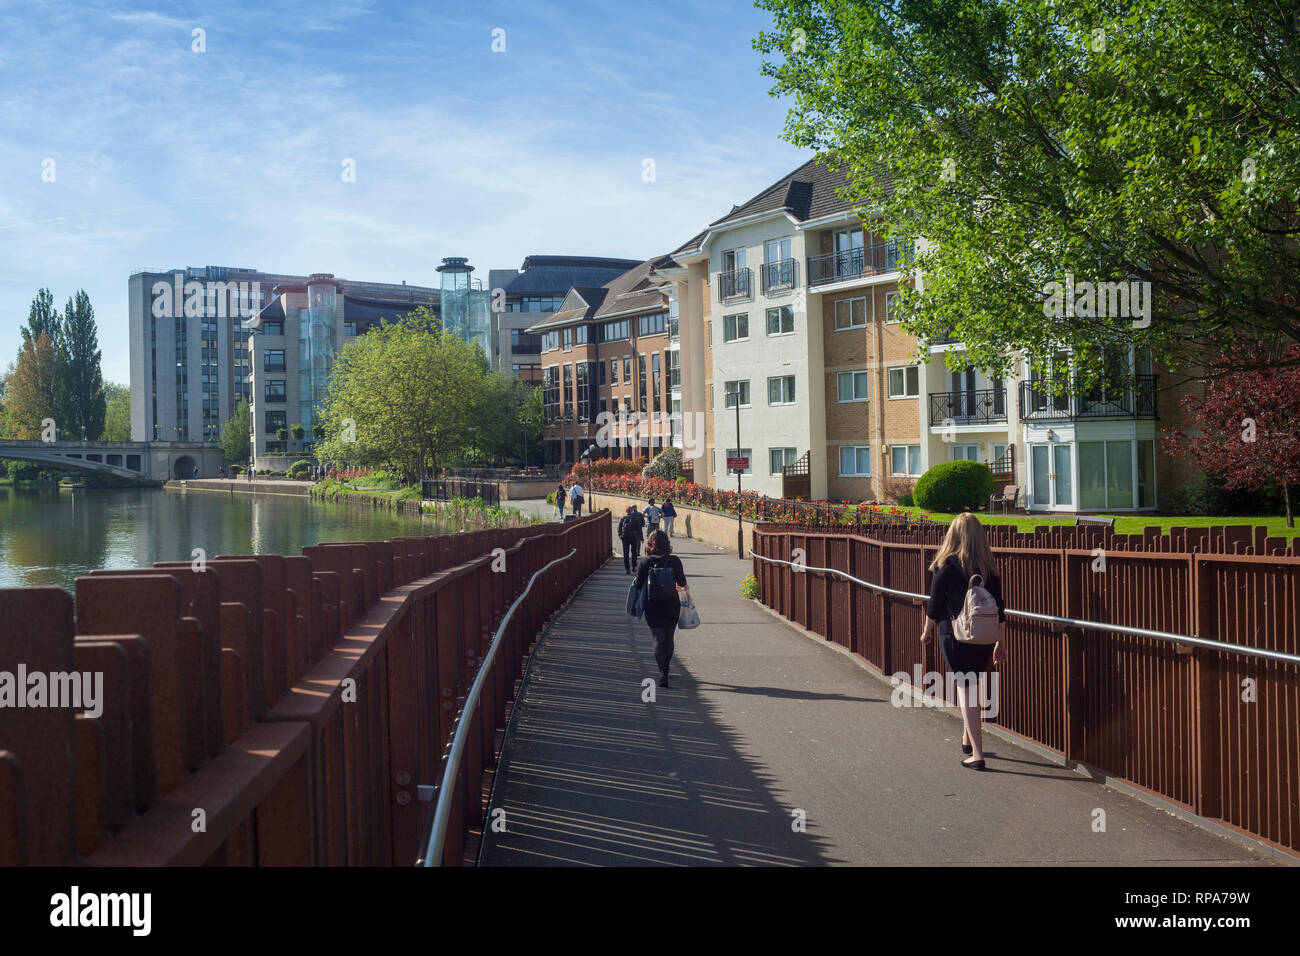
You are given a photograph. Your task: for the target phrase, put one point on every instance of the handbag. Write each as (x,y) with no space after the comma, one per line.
(688,618)
(635,600)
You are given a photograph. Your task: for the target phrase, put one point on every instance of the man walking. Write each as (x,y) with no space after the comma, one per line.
(576,496)
(630,533)
(652,516)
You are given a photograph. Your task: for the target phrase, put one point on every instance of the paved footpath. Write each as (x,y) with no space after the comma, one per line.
(763,729)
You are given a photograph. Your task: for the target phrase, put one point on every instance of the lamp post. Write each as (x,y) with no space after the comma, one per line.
(740,518)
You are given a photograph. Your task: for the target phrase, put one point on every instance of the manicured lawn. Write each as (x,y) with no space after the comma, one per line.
(1129,524)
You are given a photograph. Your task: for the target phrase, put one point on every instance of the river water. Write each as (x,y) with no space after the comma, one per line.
(51,537)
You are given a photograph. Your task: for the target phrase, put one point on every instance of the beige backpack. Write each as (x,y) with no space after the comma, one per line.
(978,621)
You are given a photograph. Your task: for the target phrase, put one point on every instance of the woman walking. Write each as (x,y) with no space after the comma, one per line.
(965,553)
(560,497)
(660,573)
(669,513)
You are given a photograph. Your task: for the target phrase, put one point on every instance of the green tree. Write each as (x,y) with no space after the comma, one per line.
(234,434)
(117,412)
(42,316)
(31,389)
(405,395)
(1028,140)
(510,421)
(82,379)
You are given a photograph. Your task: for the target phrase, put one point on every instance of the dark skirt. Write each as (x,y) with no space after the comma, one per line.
(963,658)
(663,615)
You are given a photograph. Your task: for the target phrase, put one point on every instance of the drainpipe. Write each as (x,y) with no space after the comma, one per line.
(880,393)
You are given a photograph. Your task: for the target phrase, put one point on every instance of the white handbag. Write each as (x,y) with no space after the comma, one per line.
(688,617)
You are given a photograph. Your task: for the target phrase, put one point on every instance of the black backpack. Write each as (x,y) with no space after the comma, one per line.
(661,583)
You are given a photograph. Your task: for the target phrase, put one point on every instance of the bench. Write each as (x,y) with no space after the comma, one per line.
(1094,519)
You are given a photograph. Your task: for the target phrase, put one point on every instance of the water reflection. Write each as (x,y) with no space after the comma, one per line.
(51,537)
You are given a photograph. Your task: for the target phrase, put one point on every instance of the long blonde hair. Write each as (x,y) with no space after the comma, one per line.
(966,540)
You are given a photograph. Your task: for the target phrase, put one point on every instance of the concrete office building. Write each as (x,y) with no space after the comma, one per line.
(297,334)
(526,296)
(191,361)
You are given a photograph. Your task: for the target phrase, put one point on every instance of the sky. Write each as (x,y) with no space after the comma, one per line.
(122,146)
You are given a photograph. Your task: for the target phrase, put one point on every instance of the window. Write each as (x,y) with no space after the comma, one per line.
(550,340)
(275,421)
(616,331)
(652,324)
(780,321)
(778,267)
(568,340)
(742,453)
(965,453)
(656,382)
(708,332)
(850,313)
(274,391)
(613,371)
(273,327)
(780,390)
(733,389)
(641,384)
(904,381)
(273,361)
(855,461)
(585,391)
(778,458)
(674,369)
(905,459)
(566,386)
(891,300)
(580,335)
(853,386)
(602,372)
(735,327)
(627,370)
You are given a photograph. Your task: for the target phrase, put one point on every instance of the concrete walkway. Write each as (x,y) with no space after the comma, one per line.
(764,730)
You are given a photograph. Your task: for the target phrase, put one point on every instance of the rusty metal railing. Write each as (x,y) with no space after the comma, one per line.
(1261,652)
(445,793)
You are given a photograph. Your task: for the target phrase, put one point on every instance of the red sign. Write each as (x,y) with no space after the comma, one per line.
(737,464)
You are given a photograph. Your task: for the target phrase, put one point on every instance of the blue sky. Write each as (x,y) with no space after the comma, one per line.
(165,157)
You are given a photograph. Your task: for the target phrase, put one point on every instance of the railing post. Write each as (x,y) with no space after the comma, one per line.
(1074,663)
(1207,716)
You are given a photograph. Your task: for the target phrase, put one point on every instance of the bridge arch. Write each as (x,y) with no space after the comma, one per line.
(185,467)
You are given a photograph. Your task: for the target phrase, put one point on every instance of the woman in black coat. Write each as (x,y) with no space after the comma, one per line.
(661,616)
(965,552)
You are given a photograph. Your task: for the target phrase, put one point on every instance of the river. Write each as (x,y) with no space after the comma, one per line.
(52,537)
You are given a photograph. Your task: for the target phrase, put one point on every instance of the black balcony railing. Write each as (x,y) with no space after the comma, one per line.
(875,259)
(973,406)
(778,276)
(734,284)
(1134,399)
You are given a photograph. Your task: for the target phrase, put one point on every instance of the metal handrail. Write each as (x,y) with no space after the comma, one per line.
(442,812)
(1073,622)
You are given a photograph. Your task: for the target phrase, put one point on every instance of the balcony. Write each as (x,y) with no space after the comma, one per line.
(733,285)
(878,258)
(1138,400)
(779,276)
(974,406)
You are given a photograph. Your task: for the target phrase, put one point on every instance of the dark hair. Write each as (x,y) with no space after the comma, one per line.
(658,544)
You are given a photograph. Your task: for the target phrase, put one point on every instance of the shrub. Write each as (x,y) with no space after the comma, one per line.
(236,470)
(907,501)
(23,471)
(667,465)
(749,588)
(282,434)
(954,486)
(298,470)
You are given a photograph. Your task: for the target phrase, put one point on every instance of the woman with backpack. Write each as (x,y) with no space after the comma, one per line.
(669,513)
(560,497)
(660,573)
(964,563)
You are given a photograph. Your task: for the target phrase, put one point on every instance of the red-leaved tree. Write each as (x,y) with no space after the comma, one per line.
(1244,432)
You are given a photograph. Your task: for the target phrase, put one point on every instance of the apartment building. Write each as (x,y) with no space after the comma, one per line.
(792,295)
(606,361)
(525,296)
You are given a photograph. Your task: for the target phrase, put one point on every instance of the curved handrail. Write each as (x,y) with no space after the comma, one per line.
(442,812)
(1074,622)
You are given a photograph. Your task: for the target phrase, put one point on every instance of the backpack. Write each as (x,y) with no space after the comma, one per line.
(977,623)
(661,584)
(628,528)
(652,514)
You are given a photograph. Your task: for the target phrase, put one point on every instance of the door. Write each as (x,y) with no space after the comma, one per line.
(1051,475)
(963,395)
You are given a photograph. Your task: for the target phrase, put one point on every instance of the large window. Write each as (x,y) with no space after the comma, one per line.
(779,458)
(616,331)
(905,459)
(656,381)
(742,453)
(735,327)
(273,360)
(850,313)
(780,390)
(580,335)
(275,421)
(568,340)
(780,321)
(613,371)
(853,386)
(652,324)
(734,389)
(627,370)
(521,341)
(586,390)
(1106,474)
(904,381)
(641,383)
(274,391)
(566,389)
(891,301)
(533,303)
(550,340)
(674,369)
(855,461)
(273,327)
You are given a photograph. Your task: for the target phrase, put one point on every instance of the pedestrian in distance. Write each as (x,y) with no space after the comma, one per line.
(652,516)
(576,496)
(560,497)
(631,530)
(966,610)
(660,573)
(668,512)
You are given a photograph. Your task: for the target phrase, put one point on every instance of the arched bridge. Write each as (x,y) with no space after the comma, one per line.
(137,460)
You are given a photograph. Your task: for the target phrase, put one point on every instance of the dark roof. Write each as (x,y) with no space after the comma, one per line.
(554,275)
(810,192)
(355,307)
(580,303)
(635,290)
(690,245)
